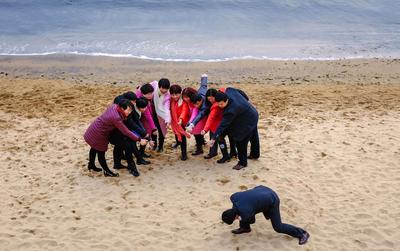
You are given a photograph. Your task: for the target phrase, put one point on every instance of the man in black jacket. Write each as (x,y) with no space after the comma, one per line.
(240,120)
(260,199)
(123,144)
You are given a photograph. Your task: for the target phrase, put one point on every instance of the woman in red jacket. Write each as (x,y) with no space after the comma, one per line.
(212,123)
(180,115)
(98,133)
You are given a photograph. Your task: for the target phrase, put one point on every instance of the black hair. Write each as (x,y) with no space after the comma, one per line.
(130,96)
(146,88)
(188,92)
(196,98)
(211,92)
(220,96)
(141,103)
(124,103)
(175,89)
(164,83)
(228,216)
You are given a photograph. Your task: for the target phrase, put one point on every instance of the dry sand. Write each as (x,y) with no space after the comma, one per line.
(330,139)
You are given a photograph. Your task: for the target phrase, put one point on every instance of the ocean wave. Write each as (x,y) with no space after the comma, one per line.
(197,59)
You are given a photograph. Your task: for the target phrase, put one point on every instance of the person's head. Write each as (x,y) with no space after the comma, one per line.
(175,92)
(210,95)
(187,93)
(130,96)
(147,91)
(126,106)
(222,99)
(197,100)
(141,104)
(163,85)
(229,216)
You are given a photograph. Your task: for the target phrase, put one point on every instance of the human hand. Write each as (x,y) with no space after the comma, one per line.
(143,142)
(151,143)
(155,132)
(203,132)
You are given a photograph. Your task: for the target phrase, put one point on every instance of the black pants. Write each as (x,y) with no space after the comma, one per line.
(221,142)
(161,137)
(123,144)
(254,149)
(199,142)
(232,146)
(101,157)
(274,214)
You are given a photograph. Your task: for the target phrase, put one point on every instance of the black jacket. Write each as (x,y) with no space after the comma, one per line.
(133,120)
(239,116)
(248,203)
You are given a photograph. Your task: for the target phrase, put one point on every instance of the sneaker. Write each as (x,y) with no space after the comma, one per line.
(241,230)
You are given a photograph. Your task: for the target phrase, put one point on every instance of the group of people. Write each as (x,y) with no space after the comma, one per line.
(141,118)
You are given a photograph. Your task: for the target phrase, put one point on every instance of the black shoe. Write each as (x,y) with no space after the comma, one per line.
(198,152)
(145,155)
(109,173)
(210,156)
(94,168)
(251,157)
(241,230)
(238,167)
(303,240)
(119,166)
(133,171)
(223,160)
(184,157)
(142,162)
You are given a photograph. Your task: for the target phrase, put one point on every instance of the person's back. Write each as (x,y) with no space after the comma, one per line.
(245,205)
(254,201)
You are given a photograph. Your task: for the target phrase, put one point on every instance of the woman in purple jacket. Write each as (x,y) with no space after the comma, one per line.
(98,133)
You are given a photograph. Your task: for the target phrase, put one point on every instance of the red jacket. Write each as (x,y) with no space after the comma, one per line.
(214,118)
(179,112)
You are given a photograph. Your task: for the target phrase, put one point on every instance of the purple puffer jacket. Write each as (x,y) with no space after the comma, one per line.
(99,131)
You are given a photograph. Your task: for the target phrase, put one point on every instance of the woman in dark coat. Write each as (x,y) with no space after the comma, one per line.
(98,133)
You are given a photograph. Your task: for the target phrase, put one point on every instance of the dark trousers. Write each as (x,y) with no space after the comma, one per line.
(221,142)
(161,137)
(199,141)
(123,144)
(101,157)
(232,146)
(182,143)
(274,215)
(242,147)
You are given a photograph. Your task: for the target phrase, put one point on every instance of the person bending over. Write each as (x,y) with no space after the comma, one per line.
(260,199)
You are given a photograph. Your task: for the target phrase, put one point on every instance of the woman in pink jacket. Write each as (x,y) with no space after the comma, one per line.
(158,115)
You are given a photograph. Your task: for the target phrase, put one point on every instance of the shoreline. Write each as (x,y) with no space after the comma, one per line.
(102,69)
(195,60)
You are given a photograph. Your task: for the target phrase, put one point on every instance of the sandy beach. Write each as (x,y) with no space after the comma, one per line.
(330,147)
